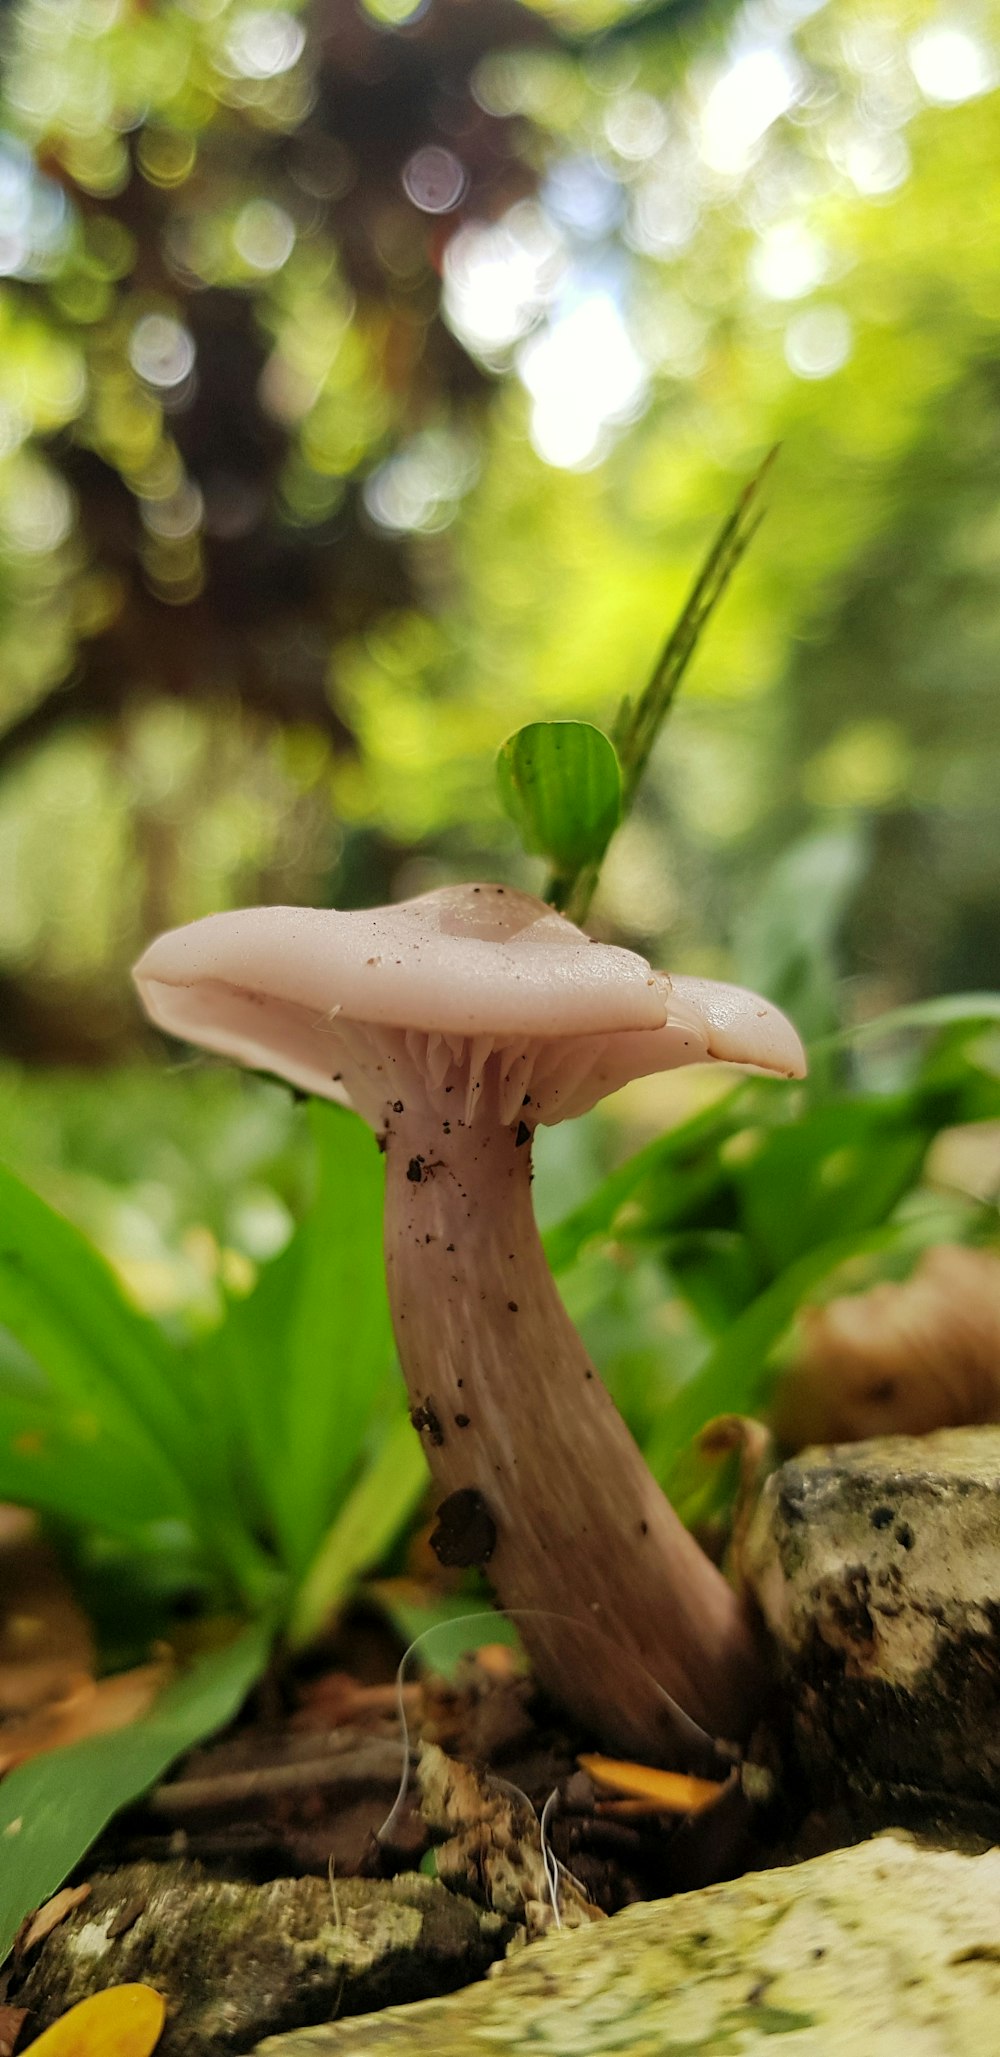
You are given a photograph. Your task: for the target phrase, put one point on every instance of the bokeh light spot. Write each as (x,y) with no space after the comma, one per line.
(263,44)
(177,516)
(742,105)
(38,515)
(498,279)
(434,180)
(950,65)
(161,350)
(264,235)
(788,261)
(583,197)
(393,13)
(166,158)
(818,342)
(583,373)
(420,486)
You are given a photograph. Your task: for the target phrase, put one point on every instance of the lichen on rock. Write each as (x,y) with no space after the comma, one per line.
(876,1567)
(239,1961)
(887,1949)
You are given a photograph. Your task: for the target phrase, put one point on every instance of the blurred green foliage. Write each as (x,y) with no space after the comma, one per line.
(373,378)
(222,1451)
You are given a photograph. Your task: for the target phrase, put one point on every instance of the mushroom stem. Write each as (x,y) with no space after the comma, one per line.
(508,1404)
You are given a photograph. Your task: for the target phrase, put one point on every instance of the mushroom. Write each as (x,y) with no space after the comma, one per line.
(455,1023)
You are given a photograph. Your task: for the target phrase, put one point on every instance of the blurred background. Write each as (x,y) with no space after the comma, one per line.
(373,376)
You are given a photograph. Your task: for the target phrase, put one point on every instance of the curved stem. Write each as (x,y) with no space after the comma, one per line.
(509,1405)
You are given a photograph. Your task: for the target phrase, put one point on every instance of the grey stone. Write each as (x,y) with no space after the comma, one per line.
(238,1961)
(884,1950)
(877,1569)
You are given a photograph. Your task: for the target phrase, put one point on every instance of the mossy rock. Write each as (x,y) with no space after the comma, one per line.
(238,1962)
(888,1949)
(877,1568)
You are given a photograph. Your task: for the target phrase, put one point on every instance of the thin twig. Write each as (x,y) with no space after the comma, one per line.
(375,1762)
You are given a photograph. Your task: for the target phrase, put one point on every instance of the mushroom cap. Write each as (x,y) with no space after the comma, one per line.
(278,987)
(464,960)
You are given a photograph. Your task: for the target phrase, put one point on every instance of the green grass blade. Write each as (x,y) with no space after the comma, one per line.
(637,727)
(948,1010)
(64,1461)
(667,1156)
(339,1347)
(369,1521)
(733,1378)
(53,1808)
(63,1304)
(107,1363)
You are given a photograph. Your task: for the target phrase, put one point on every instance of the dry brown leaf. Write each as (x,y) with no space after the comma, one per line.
(494,1844)
(664,1792)
(46,1645)
(754,1448)
(123,2021)
(40,1925)
(12,2020)
(93,1708)
(900,1359)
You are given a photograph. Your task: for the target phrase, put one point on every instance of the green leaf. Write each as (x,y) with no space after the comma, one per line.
(53,1808)
(785,941)
(331,1369)
(561,785)
(118,1378)
(65,1462)
(243,1362)
(947,1010)
(716,1271)
(732,1379)
(369,1521)
(686,1156)
(440,1631)
(62,1303)
(837,1171)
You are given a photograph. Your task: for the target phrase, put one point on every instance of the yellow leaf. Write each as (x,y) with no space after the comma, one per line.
(667,1792)
(123,2021)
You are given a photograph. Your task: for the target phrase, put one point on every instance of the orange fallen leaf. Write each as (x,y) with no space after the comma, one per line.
(666,1792)
(498,1661)
(626,1810)
(123,2021)
(48,1917)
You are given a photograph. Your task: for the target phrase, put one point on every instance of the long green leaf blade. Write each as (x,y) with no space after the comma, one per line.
(65,1462)
(339,1349)
(63,1305)
(53,1808)
(369,1521)
(99,1357)
(732,1378)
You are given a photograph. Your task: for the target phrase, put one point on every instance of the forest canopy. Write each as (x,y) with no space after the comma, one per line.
(373,379)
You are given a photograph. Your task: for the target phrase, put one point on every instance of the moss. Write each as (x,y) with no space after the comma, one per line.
(885,1948)
(239,1961)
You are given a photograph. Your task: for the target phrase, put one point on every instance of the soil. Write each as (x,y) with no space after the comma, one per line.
(304,1788)
(299,1790)
(309,1775)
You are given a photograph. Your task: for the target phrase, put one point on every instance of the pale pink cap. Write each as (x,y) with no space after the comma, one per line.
(275,987)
